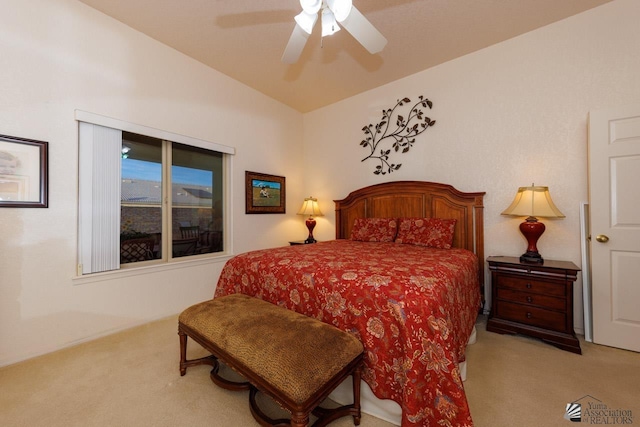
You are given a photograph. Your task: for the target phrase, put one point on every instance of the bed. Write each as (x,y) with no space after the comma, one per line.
(412,299)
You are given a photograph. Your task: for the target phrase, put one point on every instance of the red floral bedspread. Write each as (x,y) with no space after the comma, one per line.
(412,307)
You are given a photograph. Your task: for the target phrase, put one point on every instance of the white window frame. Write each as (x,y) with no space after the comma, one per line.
(120,125)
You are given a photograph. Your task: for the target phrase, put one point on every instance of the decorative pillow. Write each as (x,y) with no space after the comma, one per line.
(431,232)
(374,229)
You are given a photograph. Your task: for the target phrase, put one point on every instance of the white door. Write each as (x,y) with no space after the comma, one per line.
(614,200)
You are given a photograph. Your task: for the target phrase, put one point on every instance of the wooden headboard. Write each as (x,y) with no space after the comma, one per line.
(403,199)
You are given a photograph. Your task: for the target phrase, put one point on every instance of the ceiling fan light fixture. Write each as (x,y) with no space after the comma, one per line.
(329,23)
(306,21)
(333,12)
(340,8)
(311,6)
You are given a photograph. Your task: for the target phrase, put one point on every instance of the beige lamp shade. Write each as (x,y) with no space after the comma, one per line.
(534,201)
(310,207)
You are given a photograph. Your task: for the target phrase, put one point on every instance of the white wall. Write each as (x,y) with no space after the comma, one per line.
(506,116)
(60,55)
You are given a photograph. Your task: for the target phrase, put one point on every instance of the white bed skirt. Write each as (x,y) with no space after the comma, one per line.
(384,409)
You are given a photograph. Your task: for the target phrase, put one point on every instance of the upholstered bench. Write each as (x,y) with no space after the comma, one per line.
(296,360)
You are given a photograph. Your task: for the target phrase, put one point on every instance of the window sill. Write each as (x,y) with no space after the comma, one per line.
(151,268)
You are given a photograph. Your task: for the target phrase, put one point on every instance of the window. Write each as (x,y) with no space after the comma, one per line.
(147,196)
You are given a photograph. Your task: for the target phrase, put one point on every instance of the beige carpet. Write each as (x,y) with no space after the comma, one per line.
(132,379)
(521,381)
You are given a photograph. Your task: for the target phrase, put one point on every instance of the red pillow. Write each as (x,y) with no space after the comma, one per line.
(374,229)
(431,232)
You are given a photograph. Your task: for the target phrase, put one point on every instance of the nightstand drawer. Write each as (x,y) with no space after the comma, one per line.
(529,284)
(532,316)
(543,301)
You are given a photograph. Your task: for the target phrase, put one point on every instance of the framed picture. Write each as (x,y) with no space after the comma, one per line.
(23,173)
(264,193)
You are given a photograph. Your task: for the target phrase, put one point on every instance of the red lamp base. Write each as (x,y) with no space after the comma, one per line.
(532,230)
(311,223)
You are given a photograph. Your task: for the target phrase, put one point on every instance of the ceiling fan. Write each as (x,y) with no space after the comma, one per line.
(333,12)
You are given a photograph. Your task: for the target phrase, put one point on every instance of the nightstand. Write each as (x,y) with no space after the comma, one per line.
(300,242)
(534,300)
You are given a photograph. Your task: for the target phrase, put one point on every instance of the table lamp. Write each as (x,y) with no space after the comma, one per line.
(533,202)
(310,207)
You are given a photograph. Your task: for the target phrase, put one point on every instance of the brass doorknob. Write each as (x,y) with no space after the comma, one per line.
(602,238)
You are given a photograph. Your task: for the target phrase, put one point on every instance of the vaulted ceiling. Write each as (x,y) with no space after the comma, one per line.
(245,39)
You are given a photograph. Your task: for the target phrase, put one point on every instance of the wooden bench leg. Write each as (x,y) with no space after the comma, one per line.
(184,363)
(183,353)
(327,416)
(357,379)
(299,419)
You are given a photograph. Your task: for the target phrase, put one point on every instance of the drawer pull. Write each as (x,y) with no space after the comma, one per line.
(528,315)
(528,285)
(529,299)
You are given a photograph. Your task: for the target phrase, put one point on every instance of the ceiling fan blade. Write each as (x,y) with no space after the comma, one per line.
(363,31)
(295,45)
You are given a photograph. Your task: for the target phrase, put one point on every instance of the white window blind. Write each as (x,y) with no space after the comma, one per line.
(99,198)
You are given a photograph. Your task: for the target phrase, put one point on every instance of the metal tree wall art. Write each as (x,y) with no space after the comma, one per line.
(402,134)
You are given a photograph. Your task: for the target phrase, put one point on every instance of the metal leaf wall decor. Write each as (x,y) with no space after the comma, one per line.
(398,130)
